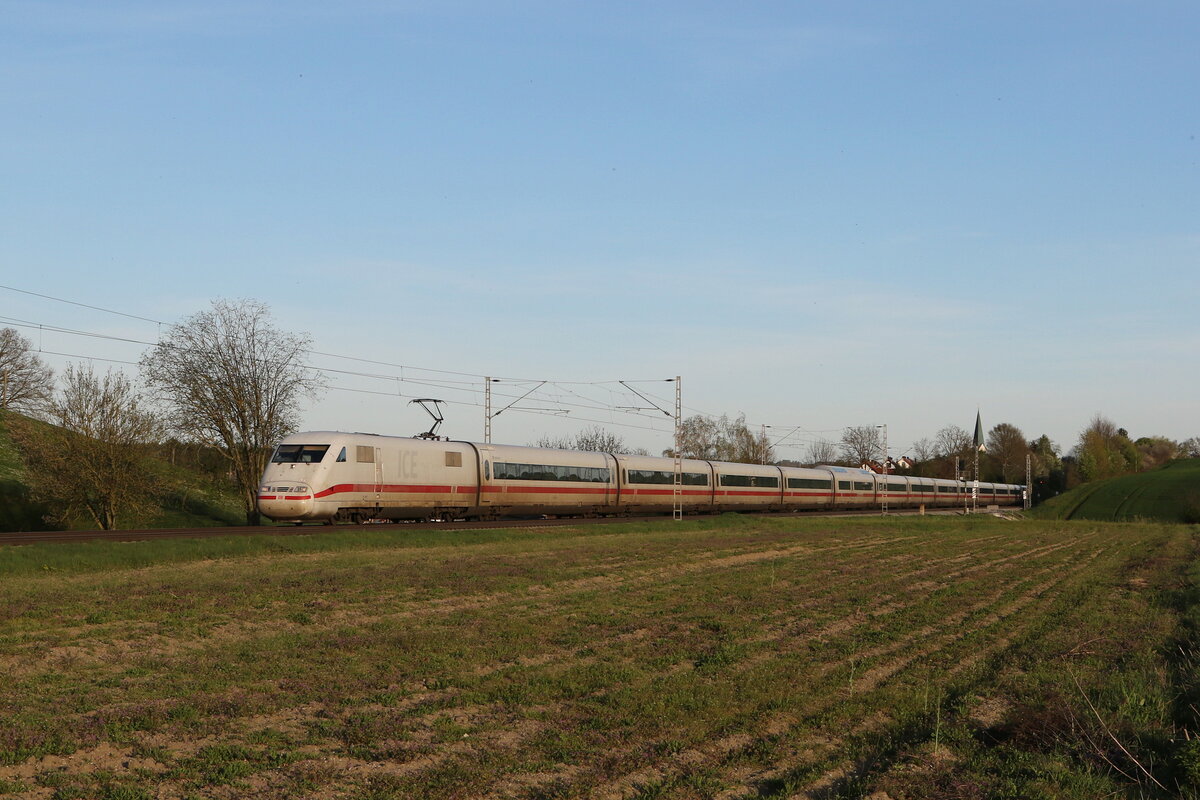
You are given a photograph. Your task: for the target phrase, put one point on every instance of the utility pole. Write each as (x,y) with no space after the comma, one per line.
(1028,480)
(487,410)
(975,488)
(677,506)
(883,495)
(960,480)
(487,406)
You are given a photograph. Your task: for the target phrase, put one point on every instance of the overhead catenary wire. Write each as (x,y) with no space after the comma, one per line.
(470,386)
(439,384)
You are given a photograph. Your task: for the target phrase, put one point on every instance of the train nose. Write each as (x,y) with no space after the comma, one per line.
(289,501)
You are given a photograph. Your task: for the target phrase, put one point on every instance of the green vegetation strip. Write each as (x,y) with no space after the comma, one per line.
(727,657)
(1168,494)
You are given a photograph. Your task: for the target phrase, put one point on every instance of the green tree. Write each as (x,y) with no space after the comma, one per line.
(1154,451)
(1104,451)
(1049,475)
(1007,448)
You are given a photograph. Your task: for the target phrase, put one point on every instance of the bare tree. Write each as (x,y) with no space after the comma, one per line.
(26,384)
(598,440)
(740,444)
(952,441)
(231,379)
(94,460)
(1007,447)
(723,439)
(822,451)
(555,442)
(593,439)
(924,450)
(1190,447)
(862,443)
(699,437)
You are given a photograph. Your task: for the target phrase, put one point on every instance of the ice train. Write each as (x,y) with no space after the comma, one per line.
(327,476)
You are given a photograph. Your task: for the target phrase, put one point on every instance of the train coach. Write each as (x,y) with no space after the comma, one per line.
(329,476)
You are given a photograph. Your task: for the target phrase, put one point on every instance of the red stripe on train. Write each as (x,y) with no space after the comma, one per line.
(371,488)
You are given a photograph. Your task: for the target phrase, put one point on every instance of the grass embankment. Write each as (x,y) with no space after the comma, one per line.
(1168,494)
(182,496)
(17,511)
(727,658)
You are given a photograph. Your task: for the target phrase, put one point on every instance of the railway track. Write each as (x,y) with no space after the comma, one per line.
(48,537)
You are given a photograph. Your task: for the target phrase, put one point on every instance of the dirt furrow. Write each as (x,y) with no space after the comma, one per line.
(869,681)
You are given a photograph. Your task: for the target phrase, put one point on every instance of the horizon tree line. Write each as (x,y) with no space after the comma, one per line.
(228,381)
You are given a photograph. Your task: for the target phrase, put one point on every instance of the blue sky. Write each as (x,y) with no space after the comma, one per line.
(820,214)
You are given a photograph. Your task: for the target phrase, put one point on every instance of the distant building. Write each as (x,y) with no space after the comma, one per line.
(893,465)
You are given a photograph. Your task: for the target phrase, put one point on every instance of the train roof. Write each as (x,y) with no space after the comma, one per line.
(847,470)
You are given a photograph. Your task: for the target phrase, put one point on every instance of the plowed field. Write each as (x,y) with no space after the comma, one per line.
(726,658)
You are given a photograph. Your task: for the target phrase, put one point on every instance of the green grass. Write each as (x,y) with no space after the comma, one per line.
(1168,494)
(922,657)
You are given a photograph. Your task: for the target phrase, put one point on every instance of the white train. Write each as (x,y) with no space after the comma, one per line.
(352,477)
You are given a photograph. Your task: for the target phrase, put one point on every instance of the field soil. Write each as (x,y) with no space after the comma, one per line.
(724,658)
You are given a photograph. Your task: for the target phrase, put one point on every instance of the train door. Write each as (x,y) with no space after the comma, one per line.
(484,455)
(611,490)
(378,476)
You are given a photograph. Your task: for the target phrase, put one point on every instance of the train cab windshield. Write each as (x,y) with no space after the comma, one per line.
(299,453)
